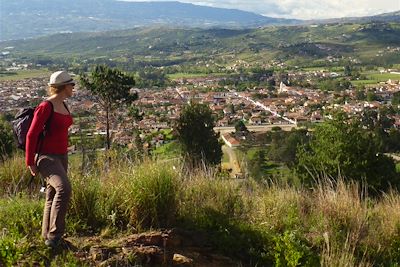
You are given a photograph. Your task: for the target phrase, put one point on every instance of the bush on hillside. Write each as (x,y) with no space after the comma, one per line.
(341,148)
(7,141)
(334,224)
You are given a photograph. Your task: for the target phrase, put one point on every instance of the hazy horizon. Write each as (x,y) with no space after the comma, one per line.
(301,9)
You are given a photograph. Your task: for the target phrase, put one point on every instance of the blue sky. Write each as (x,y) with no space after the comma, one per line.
(304,9)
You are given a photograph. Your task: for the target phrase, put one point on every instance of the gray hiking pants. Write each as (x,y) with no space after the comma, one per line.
(58,194)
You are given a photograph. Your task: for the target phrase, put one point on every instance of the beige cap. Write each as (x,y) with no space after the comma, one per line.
(60,78)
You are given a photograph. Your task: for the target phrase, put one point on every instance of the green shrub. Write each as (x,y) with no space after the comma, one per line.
(20,220)
(85,211)
(21,216)
(9,251)
(7,140)
(152,196)
(14,176)
(394,251)
(290,250)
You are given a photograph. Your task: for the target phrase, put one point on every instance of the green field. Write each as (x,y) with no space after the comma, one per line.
(364,82)
(24,74)
(383,77)
(182,75)
(314,69)
(375,78)
(167,151)
(335,69)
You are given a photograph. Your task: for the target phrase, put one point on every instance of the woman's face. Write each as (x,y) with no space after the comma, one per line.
(69,89)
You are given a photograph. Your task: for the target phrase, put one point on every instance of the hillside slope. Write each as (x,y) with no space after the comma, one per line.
(32,18)
(173,46)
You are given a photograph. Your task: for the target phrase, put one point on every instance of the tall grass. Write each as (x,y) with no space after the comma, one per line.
(139,196)
(20,219)
(202,194)
(343,213)
(257,224)
(14,176)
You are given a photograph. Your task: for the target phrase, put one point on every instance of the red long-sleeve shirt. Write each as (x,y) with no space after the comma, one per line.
(56,139)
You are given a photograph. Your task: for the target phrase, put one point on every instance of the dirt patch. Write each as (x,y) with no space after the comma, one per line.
(157,248)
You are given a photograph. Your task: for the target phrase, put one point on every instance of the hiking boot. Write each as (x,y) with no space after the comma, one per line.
(59,243)
(52,243)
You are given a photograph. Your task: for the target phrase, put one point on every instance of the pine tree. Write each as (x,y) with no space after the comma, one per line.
(112,87)
(196,134)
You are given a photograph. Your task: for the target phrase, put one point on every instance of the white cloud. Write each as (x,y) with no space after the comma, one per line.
(309,9)
(305,9)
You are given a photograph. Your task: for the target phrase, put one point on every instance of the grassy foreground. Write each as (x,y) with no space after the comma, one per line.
(256,225)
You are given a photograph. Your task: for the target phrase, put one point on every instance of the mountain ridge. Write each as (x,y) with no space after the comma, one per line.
(21,19)
(384,17)
(32,18)
(162,46)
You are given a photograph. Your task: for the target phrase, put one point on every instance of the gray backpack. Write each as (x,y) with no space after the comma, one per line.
(22,123)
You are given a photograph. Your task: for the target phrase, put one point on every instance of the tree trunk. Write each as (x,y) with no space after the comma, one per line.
(108,163)
(108,128)
(83,150)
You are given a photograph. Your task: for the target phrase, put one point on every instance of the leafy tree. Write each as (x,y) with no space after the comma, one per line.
(396,99)
(232,108)
(347,70)
(377,119)
(369,118)
(385,120)
(282,76)
(135,114)
(150,77)
(284,145)
(41,92)
(393,141)
(360,94)
(257,164)
(6,139)
(371,96)
(342,148)
(112,87)
(196,134)
(380,124)
(334,85)
(240,127)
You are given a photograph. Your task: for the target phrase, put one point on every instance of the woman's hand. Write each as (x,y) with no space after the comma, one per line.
(34,169)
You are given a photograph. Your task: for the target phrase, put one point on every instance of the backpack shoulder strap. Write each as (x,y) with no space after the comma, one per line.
(65,105)
(46,128)
(47,124)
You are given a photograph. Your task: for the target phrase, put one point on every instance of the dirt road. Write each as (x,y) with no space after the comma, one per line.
(233,161)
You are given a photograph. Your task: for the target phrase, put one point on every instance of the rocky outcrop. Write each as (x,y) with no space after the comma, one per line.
(157,248)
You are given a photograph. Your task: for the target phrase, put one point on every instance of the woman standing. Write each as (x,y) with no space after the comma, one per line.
(48,155)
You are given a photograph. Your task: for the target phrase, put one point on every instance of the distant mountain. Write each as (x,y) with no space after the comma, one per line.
(374,43)
(31,18)
(385,17)
(391,14)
